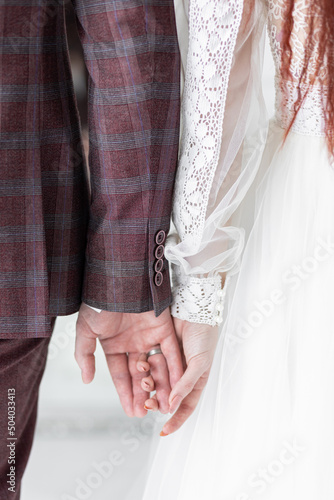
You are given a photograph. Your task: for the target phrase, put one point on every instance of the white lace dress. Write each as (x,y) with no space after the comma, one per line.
(260,210)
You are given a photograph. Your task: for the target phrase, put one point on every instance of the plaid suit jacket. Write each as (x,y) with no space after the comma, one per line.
(59,243)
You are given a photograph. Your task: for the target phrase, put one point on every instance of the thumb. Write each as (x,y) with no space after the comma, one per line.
(85,346)
(185,385)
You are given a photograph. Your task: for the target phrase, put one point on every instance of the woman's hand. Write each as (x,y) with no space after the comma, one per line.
(197,343)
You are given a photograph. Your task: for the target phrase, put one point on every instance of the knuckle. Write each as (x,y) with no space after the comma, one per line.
(187,409)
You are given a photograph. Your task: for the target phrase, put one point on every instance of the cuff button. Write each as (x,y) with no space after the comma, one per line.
(158,265)
(160,237)
(158,279)
(159,252)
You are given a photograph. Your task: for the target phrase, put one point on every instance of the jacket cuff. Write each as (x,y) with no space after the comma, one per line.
(125,285)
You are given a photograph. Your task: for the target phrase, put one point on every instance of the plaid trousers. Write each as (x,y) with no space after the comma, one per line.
(22,364)
(60,242)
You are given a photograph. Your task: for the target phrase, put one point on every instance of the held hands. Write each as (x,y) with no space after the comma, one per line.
(123,337)
(198,343)
(178,377)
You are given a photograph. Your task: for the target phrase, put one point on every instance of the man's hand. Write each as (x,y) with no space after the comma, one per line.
(124,338)
(198,345)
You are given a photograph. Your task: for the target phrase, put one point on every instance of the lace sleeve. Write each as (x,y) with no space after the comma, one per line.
(222,87)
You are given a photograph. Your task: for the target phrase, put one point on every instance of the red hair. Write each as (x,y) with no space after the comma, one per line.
(320,38)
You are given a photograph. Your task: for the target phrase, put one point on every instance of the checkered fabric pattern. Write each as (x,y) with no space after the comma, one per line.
(58,244)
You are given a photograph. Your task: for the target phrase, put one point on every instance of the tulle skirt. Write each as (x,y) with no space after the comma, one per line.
(264,427)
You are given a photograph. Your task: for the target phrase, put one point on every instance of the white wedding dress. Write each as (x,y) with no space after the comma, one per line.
(262,210)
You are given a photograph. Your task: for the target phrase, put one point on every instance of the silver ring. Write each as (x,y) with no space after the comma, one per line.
(153,351)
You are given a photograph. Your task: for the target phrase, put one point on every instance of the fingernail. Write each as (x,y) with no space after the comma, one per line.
(162,433)
(143,369)
(175,403)
(147,408)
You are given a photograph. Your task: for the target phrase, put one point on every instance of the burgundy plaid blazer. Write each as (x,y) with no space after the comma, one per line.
(60,244)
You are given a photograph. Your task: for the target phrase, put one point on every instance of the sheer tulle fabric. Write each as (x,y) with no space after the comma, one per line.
(243,115)
(264,426)
(219,157)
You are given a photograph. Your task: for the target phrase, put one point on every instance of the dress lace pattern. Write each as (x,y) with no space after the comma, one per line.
(213,30)
(310,117)
(199,300)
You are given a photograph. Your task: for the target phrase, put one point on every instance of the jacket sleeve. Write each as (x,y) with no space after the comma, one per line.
(223,135)
(132,58)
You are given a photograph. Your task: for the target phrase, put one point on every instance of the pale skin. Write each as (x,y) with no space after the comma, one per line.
(179,375)
(198,343)
(123,337)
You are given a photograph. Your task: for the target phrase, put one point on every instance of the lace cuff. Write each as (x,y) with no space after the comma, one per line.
(198,300)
